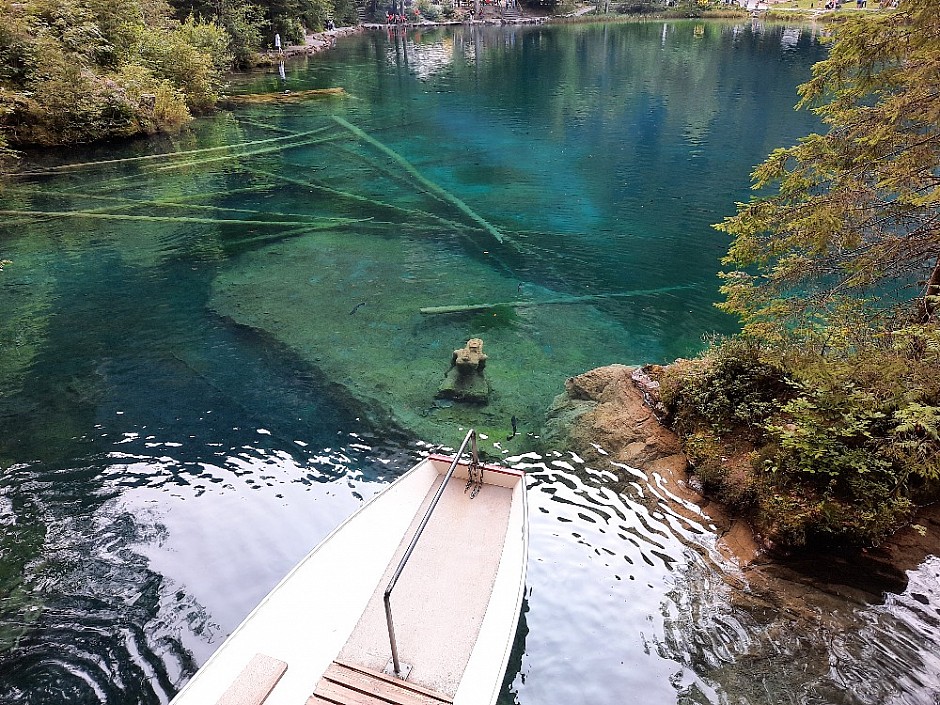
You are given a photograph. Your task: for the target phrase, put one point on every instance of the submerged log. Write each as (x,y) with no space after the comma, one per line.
(98,215)
(430,187)
(281,97)
(170,155)
(561,301)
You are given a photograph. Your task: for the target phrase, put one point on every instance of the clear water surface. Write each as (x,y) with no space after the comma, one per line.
(212,351)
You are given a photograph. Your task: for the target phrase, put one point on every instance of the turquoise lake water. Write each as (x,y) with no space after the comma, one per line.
(208,360)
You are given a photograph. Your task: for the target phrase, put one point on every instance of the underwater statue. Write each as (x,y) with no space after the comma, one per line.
(464,379)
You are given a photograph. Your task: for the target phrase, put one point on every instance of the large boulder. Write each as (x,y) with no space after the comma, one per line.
(603,411)
(610,414)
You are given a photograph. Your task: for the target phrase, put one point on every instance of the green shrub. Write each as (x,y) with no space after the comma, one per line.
(429,11)
(245,25)
(84,70)
(843,446)
(344,12)
(68,102)
(732,387)
(830,432)
(160,105)
(168,55)
(208,38)
(16,44)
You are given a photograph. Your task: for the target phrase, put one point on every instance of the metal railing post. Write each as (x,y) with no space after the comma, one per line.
(386,598)
(391,632)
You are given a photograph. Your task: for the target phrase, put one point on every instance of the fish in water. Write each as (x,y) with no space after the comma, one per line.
(514,421)
(357,307)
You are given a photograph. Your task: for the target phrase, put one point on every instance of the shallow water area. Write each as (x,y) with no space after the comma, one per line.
(212,351)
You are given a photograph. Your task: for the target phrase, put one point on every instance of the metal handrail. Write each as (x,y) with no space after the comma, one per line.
(471,436)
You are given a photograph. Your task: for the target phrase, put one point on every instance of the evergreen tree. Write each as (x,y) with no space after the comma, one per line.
(831,396)
(851,235)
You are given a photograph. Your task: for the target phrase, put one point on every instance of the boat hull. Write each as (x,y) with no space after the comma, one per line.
(328,600)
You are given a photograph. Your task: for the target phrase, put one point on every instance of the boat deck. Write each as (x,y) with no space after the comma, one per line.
(441,597)
(343,684)
(320,636)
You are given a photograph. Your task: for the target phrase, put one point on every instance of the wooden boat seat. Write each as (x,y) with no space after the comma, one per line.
(255,682)
(346,684)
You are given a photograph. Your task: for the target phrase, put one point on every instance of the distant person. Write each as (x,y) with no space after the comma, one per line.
(330,25)
(277,42)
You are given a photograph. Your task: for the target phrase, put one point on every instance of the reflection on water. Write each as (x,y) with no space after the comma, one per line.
(630,595)
(627,590)
(212,354)
(141,581)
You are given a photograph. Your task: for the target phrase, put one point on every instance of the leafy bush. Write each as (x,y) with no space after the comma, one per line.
(639,7)
(429,11)
(85,70)
(732,388)
(292,30)
(69,102)
(209,39)
(160,105)
(16,43)
(814,448)
(245,25)
(344,12)
(313,14)
(168,55)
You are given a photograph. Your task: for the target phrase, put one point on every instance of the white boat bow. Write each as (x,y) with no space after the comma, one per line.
(448,541)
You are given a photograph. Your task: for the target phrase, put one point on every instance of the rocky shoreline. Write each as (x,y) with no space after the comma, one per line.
(609,415)
(315,43)
(612,414)
(321,41)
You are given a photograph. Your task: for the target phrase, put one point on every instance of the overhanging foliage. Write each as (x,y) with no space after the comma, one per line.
(852,232)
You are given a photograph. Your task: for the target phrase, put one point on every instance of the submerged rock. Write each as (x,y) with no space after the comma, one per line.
(387,357)
(604,415)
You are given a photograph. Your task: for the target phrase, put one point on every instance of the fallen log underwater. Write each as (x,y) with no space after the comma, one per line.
(560,301)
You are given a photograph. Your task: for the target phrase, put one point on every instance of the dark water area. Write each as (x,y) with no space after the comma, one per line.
(191,395)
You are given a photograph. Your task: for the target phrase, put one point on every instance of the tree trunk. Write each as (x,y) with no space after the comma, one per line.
(932,294)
